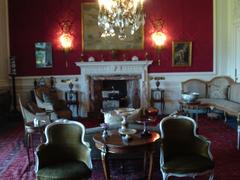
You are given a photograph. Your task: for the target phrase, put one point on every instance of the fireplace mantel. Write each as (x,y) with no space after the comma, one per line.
(111,68)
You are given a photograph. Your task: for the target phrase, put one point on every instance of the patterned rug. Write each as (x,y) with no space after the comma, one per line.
(14,164)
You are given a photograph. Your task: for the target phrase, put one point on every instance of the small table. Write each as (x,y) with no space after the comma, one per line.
(114,144)
(193,108)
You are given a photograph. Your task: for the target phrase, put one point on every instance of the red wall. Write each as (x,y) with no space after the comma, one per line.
(37,21)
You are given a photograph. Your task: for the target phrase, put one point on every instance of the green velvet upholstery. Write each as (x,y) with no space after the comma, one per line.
(183,152)
(65,155)
(65,170)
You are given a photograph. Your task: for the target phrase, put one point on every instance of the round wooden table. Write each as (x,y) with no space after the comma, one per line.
(115,144)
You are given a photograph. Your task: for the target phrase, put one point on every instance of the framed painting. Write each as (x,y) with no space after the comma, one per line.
(43,54)
(91,33)
(181,53)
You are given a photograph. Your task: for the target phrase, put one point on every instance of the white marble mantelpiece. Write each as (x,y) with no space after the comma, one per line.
(111,68)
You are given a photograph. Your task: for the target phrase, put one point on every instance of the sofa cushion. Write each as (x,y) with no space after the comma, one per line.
(233,93)
(224,105)
(217,92)
(218,87)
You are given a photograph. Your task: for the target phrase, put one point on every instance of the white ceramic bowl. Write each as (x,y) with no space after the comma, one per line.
(190,97)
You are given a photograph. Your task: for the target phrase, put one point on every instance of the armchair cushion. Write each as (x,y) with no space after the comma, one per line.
(187,164)
(65,170)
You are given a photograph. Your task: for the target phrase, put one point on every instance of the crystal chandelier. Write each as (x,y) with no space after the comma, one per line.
(117,17)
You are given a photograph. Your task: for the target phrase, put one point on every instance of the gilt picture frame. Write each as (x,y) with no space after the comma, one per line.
(181,53)
(91,33)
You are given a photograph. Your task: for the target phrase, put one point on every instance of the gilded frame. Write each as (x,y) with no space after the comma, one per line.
(91,33)
(181,53)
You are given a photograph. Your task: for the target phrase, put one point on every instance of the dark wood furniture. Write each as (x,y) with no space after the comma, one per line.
(157,96)
(114,144)
(71,98)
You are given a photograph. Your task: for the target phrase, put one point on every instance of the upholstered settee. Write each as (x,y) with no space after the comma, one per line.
(221,93)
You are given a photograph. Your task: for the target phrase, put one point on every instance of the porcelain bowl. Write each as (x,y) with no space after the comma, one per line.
(190,97)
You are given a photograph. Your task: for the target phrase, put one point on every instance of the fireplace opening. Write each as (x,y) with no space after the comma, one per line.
(112,92)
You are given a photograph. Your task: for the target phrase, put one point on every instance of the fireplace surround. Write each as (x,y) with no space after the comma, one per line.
(111,70)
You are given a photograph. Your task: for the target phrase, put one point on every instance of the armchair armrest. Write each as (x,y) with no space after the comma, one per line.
(41,156)
(202,147)
(84,154)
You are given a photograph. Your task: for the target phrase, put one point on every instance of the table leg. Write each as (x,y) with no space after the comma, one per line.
(150,165)
(104,156)
(145,161)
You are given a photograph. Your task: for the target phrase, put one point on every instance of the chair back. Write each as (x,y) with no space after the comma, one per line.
(178,134)
(68,137)
(26,114)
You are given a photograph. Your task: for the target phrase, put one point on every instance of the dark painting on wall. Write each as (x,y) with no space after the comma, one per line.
(43,53)
(181,53)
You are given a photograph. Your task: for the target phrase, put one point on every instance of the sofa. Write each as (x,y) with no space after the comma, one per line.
(220,93)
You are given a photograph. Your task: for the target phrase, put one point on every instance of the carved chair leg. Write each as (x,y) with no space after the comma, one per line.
(164,176)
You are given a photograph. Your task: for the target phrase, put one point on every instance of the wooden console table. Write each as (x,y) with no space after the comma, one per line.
(114,144)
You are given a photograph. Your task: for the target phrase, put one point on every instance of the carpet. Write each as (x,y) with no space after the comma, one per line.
(14,164)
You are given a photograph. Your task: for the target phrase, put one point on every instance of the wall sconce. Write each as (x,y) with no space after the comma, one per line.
(158,37)
(66,38)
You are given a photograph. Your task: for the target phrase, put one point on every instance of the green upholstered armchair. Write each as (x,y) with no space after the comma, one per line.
(183,152)
(65,155)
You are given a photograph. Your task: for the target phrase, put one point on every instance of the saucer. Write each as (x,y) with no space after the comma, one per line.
(127,131)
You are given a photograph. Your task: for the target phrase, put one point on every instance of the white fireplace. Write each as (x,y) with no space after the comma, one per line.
(89,70)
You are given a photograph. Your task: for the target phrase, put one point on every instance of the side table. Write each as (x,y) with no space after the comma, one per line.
(114,144)
(71,98)
(157,96)
(193,108)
